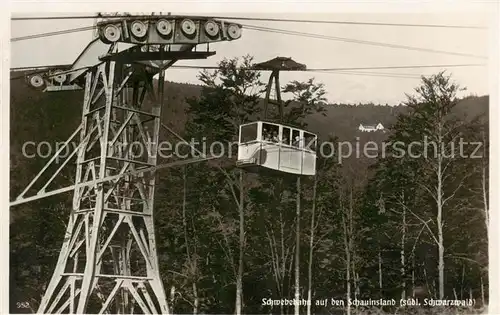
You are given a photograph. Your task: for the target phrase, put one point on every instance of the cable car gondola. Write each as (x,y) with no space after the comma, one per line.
(276,147)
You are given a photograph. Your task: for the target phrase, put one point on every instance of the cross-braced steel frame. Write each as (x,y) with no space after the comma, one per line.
(108,261)
(108,258)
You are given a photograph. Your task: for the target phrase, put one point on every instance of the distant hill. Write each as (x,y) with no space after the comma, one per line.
(37,116)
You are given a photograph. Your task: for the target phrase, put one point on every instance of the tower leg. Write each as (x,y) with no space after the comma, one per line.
(274,77)
(108,261)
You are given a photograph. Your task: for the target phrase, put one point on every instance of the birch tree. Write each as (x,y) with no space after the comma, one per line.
(432,105)
(307,98)
(434,159)
(230,98)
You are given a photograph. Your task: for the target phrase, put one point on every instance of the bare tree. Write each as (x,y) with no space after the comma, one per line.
(484,180)
(403,243)
(347,220)
(236,98)
(239,278)
(307,99)
(440,179)
(279,236)
(192,259)
(311,248)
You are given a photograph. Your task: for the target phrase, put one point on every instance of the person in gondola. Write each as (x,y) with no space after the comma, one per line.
(266,135)
(285,140)
(275,137)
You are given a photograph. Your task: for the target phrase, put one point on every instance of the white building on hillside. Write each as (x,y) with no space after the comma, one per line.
(370,128)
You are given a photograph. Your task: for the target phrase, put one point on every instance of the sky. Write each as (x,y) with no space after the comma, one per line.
(314,52)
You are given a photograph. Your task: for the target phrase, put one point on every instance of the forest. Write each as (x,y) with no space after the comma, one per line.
(381,228)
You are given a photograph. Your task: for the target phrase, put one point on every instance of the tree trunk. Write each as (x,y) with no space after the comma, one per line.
(172,298)
(403,267)
(441,265)
(483,301)
(347,257)
(283,260)
(413,272)
(355,277)
(239,278)
(427,285)
(297,252)
(311,244)
(278,255)
(484,186)
(439,222)
(380,285)
(192,263)
(196,301)
(278,260)
(462,282)
(351,243)
(485,201)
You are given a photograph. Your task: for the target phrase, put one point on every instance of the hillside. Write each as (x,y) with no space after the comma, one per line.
(341,120)
(195,209)
(37,116)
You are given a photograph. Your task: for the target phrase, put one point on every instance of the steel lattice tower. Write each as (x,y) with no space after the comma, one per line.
(108,261)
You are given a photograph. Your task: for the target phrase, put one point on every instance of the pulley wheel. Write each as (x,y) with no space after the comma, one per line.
(138,29)
(36,81)
(112,33)
(59,78)
(234,31)
(188,27)
(164,27)
(211,28)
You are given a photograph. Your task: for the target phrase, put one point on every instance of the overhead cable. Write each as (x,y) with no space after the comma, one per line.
(261,19)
